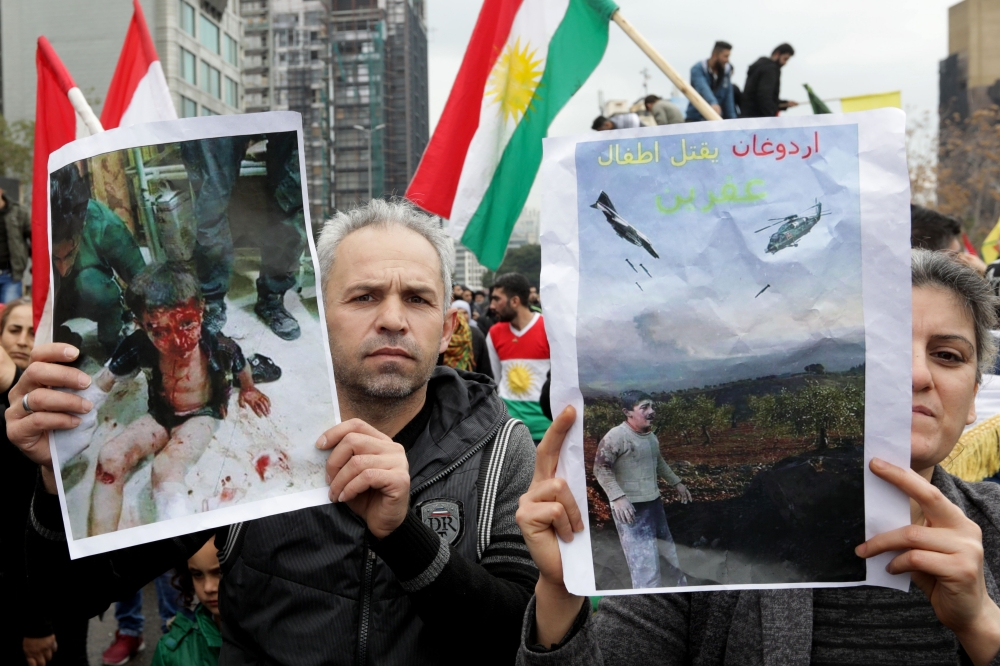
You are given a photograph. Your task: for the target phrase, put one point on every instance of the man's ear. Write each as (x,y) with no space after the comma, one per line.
(450,324)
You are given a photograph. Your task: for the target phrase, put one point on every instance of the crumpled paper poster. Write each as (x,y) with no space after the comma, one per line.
(728,307)
(186,275)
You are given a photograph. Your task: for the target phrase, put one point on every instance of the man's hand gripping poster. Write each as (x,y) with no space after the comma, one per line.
(728,306)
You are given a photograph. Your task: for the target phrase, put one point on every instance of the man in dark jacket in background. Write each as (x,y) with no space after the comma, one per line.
(418,558)
(760,97)
(13,247)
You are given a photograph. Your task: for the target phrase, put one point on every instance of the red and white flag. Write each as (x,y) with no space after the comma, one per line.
(138,91)
(57,102)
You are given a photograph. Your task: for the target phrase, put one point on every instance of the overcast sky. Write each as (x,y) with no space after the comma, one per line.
(845,48)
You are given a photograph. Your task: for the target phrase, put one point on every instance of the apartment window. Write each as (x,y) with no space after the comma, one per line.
(209,34)
(189,108)
(187,17)
(232,51)
(232,92)
(188,66)
(211,81)
(205,111)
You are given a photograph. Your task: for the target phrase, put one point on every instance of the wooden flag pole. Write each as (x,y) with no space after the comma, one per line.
(699,102)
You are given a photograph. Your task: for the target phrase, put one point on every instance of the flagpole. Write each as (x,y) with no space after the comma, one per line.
(86,114)
(699,102)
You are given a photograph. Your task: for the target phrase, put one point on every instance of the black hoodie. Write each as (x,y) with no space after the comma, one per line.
(760,94)
(315,587)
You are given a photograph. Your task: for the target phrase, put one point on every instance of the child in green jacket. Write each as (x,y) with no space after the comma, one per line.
(195,642)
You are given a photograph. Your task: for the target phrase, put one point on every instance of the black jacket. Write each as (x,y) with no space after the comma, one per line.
(315,587)
(760,94)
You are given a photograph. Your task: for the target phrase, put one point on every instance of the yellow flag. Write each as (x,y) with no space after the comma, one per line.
(869,102)
(990,250)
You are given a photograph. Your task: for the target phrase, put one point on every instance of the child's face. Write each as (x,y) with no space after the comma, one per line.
(174,331)
(206,573)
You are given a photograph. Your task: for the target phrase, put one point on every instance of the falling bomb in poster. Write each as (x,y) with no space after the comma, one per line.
(711,296)
(183,269)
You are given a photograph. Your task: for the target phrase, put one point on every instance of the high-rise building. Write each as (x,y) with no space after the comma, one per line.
(286,68)
(198,41)
(468,270)
(970,75)
(379,114)
(526,230)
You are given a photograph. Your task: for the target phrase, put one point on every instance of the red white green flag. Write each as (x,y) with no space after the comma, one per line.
(525,60)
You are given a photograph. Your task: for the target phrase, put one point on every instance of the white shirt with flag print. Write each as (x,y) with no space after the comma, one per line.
(522,357)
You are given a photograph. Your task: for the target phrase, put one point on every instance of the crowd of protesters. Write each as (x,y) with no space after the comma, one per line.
(465,403)
(712,78)
(363,580)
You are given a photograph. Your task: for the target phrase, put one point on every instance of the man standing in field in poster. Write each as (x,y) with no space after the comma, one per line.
(627,465)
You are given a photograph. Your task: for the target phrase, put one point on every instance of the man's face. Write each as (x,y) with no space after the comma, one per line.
(174,331)
(782,59)
(722,59)
(606,125)
(456,291)
(641,415)
(502,305)
(479,298)
(64,255)
(384,311)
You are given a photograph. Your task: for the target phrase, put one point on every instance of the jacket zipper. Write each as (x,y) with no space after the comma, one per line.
(366,583)
(366,605)
(458,463)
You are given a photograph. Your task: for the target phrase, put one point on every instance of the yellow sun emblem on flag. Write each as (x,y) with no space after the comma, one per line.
(520,379)
(514,80)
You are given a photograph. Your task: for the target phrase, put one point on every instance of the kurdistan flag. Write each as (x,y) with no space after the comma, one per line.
(525,59)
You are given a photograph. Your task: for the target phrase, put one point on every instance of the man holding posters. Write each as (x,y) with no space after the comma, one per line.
(414,537)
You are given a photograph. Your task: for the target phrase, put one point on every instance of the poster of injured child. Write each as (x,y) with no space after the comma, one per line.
(711,298)
(183,267)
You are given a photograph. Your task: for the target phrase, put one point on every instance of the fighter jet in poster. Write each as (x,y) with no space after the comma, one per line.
(793,228)
(621,227)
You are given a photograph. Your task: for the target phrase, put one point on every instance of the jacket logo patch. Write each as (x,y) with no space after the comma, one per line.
(445,516)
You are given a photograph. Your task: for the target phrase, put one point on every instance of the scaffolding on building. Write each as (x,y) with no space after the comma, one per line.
(287,68)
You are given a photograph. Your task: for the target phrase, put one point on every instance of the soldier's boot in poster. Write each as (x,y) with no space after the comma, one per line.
(270,308)
(215,314)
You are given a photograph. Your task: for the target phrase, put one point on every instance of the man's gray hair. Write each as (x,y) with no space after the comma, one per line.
(938,269)
(382,214)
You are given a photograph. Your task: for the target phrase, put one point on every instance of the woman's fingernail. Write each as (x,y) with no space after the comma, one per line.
(877,463)
(85,381)
(71,352)
(332,498)
(320,443)
(87,405)
(341,498)
(75,420)
(861,550)
(328,480)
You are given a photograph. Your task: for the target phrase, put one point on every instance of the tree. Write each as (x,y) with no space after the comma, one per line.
(815,369)
(686,416)
(16,142)
(968,173)
(526,260)
(816,409)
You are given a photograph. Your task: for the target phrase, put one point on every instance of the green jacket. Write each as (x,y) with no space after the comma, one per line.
(107,244)
(17,224)
(628,462)
(190,642)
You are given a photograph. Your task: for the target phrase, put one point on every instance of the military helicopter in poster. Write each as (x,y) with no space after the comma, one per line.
(793,228)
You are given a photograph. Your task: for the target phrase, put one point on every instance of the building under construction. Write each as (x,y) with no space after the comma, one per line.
(286,67)
(379,83)
(356,70)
